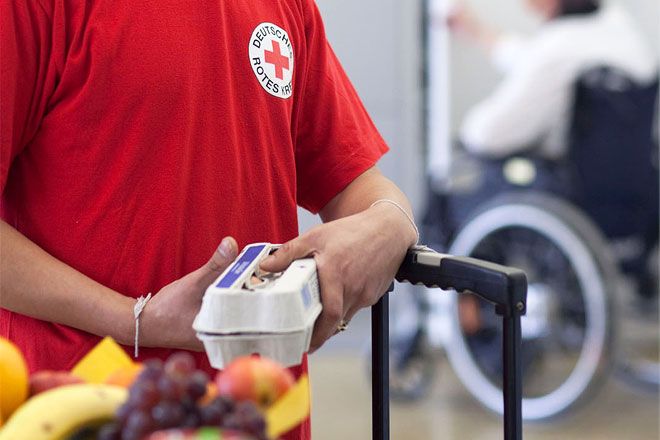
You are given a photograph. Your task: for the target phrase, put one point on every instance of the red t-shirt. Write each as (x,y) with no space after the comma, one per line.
(136,134)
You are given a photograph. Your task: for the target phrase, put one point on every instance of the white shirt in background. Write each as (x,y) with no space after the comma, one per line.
(532,106)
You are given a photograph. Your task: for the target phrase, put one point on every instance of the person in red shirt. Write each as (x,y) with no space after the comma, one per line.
(143,143)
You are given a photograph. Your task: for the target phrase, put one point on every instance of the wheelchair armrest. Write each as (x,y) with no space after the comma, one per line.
(506,287)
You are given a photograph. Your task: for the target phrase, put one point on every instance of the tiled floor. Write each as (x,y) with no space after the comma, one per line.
(341,410)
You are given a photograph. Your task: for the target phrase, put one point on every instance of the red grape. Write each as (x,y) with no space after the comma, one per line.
(180,363)
(211,416)
(138,424)
(150,374)
(144,395)
(153,368)
(123,412)
(246,417)
(170,388)
(192,420)
(196,387)
(214,413)
(168,414)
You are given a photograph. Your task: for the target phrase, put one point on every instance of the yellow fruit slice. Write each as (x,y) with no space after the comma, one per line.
(125,376)
(102,361)
(14,380)
(290,410)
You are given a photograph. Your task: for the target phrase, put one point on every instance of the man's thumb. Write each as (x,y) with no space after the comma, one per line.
(221,258)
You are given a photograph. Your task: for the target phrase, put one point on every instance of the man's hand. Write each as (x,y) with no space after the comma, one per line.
(167,319)
(356,257)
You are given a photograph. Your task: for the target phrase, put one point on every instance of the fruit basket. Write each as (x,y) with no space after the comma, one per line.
(107,396)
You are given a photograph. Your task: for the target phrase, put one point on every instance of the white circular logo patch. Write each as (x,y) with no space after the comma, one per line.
(271,57)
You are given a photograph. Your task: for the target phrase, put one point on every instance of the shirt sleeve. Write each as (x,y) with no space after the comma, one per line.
(26,75)
(508,50)
(336,141)
(523,108)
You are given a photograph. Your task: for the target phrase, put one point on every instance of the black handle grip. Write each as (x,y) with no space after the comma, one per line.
(506,287)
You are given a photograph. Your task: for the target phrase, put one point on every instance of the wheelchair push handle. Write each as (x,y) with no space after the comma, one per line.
(506,287)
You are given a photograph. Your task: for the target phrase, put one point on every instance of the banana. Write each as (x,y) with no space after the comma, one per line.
(61,411)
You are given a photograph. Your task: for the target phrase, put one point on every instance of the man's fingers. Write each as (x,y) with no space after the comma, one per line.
(289,251)
(325,327)
(332,298)
(351,312)
(367,298)
(221,258)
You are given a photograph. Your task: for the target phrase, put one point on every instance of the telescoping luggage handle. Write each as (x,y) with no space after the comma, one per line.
(505,287)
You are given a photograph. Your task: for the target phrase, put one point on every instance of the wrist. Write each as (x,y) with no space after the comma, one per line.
(152,332)
(398,219)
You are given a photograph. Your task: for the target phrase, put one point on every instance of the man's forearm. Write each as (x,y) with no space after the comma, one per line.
(365,190)
(35,284)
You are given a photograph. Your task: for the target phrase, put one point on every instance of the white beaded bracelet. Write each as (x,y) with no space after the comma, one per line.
(392,202)
(137,310)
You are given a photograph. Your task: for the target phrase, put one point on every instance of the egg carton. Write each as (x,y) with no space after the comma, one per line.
(247,311)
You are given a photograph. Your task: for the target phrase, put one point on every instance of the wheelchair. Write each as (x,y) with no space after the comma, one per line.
(584,229)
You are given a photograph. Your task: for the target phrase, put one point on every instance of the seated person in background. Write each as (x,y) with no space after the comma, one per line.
(532,106)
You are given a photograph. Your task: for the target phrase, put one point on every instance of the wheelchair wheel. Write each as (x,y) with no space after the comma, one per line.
(567,332)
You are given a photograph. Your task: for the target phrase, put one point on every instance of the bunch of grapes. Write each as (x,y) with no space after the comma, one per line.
(170,395)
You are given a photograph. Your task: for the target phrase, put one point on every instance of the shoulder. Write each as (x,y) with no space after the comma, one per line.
(565,41)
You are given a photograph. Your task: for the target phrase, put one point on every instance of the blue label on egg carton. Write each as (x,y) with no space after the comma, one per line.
(306,297)
(239,267)
(310,292)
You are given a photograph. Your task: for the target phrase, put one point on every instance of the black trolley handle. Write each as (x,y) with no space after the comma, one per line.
(505,287)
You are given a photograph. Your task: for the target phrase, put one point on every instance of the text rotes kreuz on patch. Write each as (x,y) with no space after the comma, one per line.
(271,58)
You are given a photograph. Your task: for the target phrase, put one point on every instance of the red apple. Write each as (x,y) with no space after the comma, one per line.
(259,380)
(46,379)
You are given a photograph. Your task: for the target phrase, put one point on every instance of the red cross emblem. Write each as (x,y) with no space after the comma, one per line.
(279,61)
(272,60)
